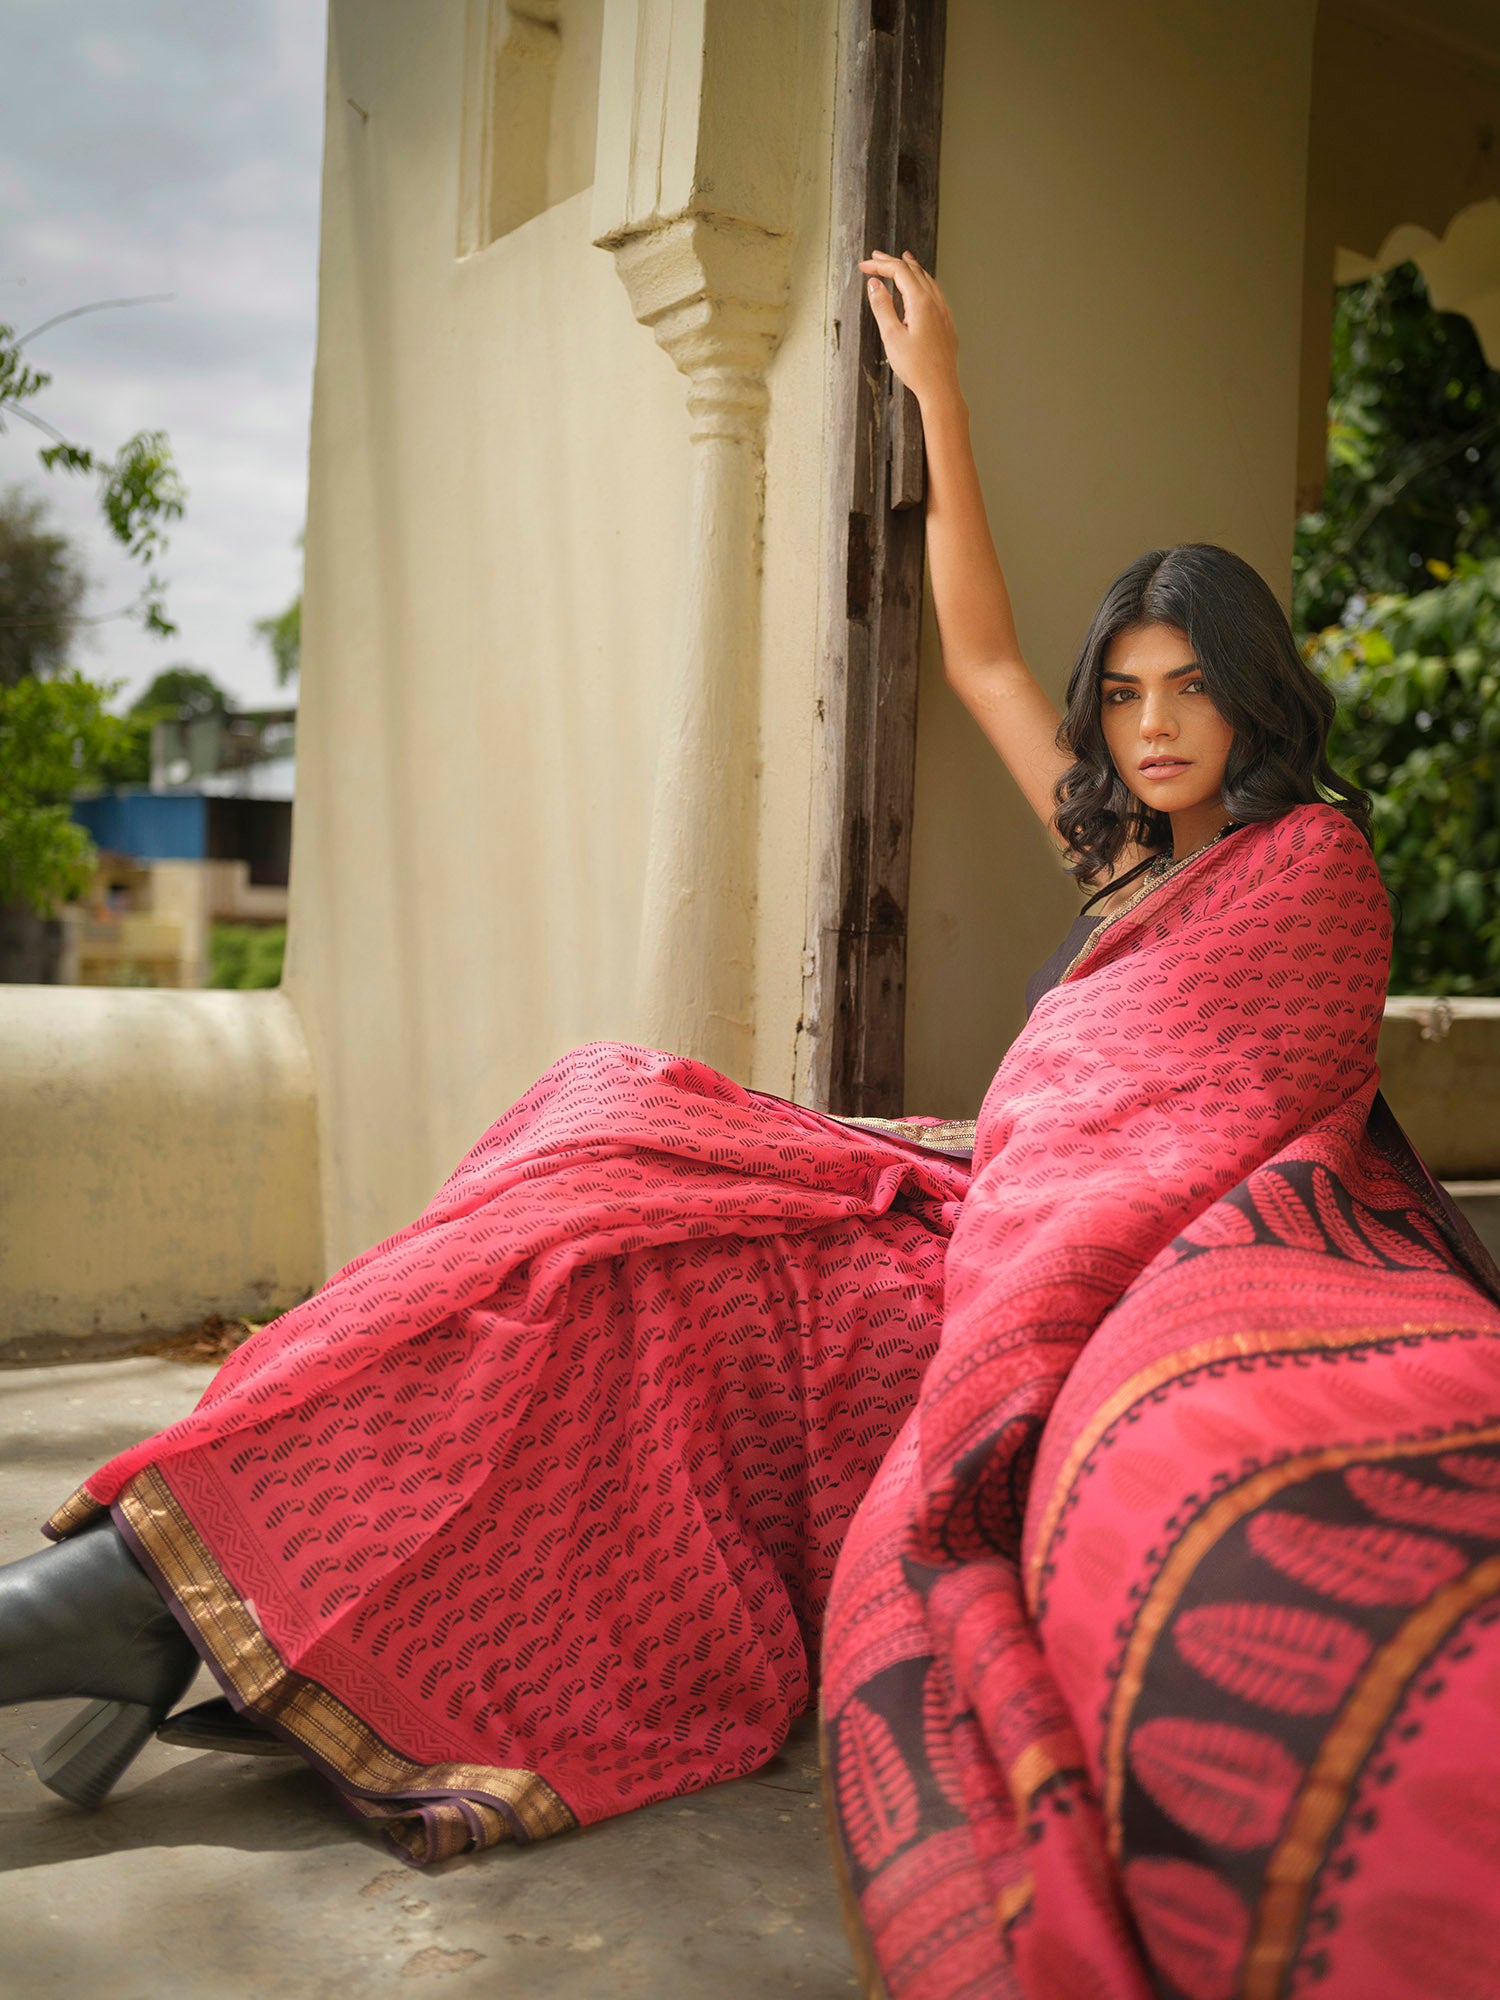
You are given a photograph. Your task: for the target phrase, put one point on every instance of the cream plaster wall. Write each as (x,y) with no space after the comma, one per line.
(1120,236)
(497,516)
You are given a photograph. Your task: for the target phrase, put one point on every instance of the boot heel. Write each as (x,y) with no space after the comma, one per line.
(90,1753)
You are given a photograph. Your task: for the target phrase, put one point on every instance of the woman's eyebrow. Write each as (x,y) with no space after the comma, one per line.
(1175,674)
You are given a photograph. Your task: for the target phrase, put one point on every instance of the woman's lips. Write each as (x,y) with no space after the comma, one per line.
(1163,767)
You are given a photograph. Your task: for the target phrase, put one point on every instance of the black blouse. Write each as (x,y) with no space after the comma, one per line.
(1052,969)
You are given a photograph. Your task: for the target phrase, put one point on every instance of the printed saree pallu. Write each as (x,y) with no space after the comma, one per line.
(1163,1655)
(1157,1656)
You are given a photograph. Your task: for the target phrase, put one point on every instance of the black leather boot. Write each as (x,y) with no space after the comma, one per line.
(83,1618)
(219,1725)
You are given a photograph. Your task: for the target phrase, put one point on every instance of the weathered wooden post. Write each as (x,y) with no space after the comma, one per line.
(886,137)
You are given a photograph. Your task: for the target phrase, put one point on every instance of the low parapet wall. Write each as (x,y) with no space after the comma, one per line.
(159,1154)
(158,1163)
(1440,1069)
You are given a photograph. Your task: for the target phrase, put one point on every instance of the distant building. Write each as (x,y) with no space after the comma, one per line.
(250,753)
(208,841)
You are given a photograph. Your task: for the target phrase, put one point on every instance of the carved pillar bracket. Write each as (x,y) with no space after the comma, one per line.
(696,216)
(713,291)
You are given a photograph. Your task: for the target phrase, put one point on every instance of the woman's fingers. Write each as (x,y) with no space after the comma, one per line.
(918,339)
(881,264)
(900,275)
(884,308)
(921,281)
(907,262)
(904,272)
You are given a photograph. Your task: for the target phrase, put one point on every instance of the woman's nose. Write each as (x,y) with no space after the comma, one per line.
(1156,717)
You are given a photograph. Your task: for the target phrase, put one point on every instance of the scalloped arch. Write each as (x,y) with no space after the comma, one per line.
(1462,266)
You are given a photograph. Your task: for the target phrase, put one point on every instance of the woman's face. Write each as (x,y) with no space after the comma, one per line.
(1167,740)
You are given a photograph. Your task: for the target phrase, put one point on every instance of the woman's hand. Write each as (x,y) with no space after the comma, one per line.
(921,347)
(981,652)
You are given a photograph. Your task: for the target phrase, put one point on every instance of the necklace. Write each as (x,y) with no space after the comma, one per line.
(1165,864)
(1160,870)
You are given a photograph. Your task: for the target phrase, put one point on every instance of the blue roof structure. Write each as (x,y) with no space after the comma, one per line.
(152,826)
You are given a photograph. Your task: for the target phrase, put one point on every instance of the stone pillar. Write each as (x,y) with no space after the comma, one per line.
(713,297)
(694,200)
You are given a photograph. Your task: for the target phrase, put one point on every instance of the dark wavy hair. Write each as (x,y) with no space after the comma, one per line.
(1279,710)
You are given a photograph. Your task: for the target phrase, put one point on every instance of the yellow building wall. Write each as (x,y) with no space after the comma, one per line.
(497,520)
(1120,236)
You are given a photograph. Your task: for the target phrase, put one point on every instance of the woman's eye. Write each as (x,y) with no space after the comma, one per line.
(1116,696)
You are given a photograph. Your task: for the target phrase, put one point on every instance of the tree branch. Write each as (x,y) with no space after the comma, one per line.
(99,305)
(41,423)
(70,619)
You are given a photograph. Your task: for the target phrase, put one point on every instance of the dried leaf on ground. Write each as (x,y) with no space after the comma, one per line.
(213,1339)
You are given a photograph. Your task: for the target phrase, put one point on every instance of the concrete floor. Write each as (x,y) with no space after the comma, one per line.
(242,1879)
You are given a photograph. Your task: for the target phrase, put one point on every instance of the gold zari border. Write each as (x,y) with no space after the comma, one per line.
(1205,1534)
(415,1803)
(74,1511)
(1160,872)
(1323,1796)
(1167,1368)
(1320,1804)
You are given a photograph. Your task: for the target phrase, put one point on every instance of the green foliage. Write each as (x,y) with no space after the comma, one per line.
(19,382)
(1418,685)
(140,490)
(140,493)
(1413,470)
(54,738)
(41,588)
(246,957)
(126,760)
(183,690)
(1413,494)
(283,634)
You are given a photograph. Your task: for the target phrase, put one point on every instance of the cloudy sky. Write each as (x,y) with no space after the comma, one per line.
(169,146)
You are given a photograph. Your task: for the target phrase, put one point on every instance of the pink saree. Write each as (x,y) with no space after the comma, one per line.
(529,1516)
(1158,1656)
(1163,1655)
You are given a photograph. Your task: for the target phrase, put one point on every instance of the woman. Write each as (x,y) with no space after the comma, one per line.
(531,1514)
(1162,1654)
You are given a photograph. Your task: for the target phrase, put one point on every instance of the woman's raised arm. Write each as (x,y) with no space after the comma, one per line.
(981,654)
